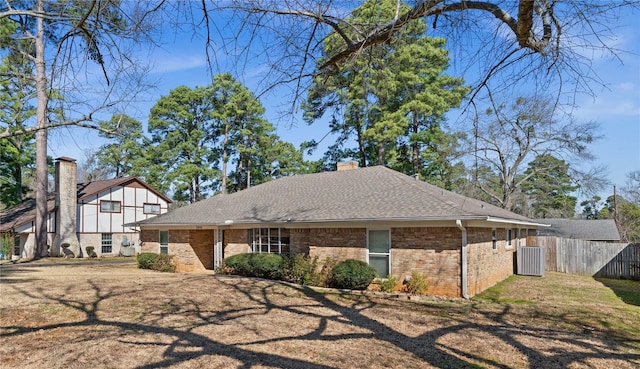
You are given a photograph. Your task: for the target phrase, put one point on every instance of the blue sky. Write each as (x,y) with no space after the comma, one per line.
(615,106)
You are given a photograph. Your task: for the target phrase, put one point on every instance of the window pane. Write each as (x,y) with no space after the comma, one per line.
(164,237)
(106,243)
(379,241)
(164,250)
(151,209)
(380,263)
(16,245)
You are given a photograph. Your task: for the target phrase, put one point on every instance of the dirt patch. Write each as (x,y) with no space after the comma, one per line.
(116,316)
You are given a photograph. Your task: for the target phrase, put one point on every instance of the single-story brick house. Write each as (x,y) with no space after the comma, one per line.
(85,214)
(392,221)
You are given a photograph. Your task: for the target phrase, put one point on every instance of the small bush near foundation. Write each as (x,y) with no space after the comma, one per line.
(236,264)
(300,268)
(266,265)
(253,265)
(352,274)
(417,284)
(159,262)
(90,252)
(388,285)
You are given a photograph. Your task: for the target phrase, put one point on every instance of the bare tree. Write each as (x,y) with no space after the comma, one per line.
(534,40)
(61,38)
(508,137)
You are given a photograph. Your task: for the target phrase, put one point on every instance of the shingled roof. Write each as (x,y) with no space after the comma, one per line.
(25,212)
(22,213)
(363,194)
(582,229)
(88,189)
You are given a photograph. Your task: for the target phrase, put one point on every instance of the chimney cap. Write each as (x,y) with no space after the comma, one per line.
(346,165)
(65,158)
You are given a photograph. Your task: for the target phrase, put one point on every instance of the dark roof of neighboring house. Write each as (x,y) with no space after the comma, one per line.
(89,189)
(582,229)
(26,211)
(22,213)
(363,194)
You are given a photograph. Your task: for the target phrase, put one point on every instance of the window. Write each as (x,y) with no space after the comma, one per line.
(270,240)
(109,206)
(16,245)
(509,238)
(151,208)
(107,243)
(164,242)
(379,251)
(494,239)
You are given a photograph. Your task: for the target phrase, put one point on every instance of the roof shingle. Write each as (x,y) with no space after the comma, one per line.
(363,194)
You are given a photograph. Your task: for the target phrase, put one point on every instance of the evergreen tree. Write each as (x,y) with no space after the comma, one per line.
(17,90)
(391,101)
(118,158)
(549,187)
(184,137)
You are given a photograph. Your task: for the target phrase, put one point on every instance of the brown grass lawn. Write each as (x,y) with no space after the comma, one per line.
(110,315)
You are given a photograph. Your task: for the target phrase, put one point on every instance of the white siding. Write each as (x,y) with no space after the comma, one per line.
(104,222)
(141,196)
(89,218)
(116,193)
(129,196)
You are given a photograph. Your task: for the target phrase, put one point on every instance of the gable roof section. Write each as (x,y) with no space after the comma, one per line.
(582,229)
(89,189)
(363,194)
(25,212)
(22,214)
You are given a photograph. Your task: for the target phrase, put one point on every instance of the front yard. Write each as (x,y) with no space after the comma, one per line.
(111,315)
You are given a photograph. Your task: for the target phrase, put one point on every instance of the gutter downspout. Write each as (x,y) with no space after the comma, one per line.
(463,281)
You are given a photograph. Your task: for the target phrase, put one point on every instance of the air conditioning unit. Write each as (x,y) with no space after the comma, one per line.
(531,260)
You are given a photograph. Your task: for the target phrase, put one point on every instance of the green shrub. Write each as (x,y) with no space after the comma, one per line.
(266,265)
(388,285)
(254,265)
(417,284)
(65,245)
(236,264)
(300,268)
(90,252)
(352,274)
(159,262)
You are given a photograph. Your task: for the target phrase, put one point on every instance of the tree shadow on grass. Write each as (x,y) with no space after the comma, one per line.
(627,290)
(178,326)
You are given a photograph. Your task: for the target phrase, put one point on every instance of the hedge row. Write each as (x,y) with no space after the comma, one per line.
(351,274)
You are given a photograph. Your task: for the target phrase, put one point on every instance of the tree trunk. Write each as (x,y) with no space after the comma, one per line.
(225,159)
(363,154)
(380,153)
(41,142)
(415,149)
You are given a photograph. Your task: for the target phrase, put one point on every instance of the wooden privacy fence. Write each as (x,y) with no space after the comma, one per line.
(598,259)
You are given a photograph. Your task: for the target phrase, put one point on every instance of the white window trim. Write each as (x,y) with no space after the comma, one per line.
(17,245)
(144,208)
(494,239)
(381,253)
(257,242)
(111,207)
(160,244)
(509,238)
(103,244)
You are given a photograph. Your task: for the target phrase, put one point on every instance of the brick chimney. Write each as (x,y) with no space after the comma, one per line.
(347,165)
(66,203)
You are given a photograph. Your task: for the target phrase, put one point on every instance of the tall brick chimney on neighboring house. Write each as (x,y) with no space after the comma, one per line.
(66,203)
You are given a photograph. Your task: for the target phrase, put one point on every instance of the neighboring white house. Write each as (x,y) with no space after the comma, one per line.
(97,211)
